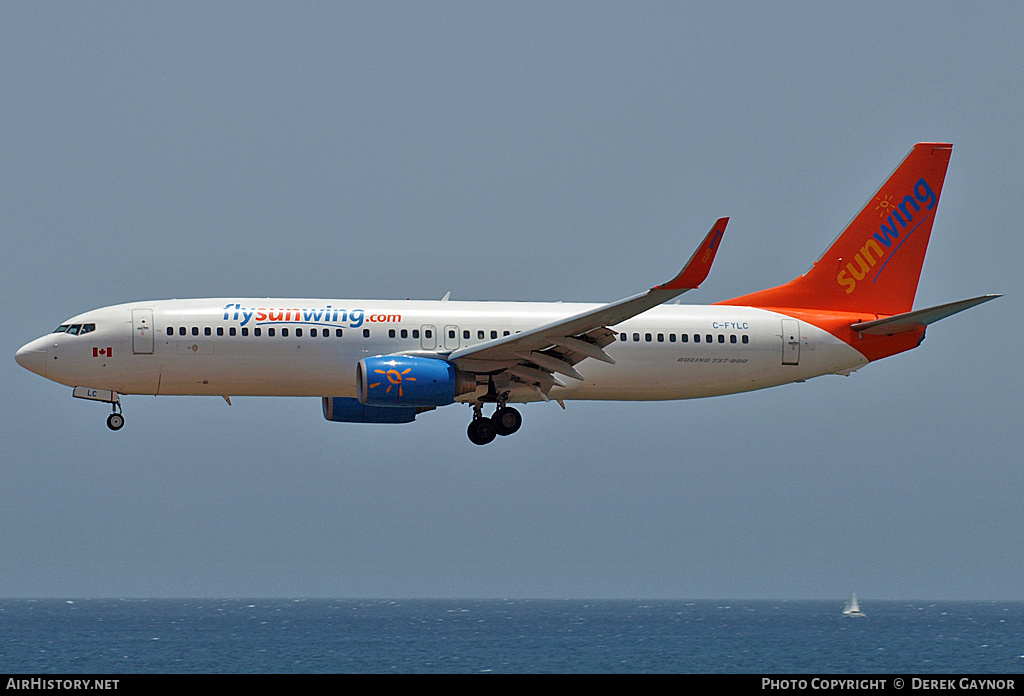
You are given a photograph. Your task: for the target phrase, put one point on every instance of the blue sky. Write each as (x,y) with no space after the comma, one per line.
(508,151)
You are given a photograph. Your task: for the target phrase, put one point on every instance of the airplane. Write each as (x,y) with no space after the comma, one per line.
(384,361)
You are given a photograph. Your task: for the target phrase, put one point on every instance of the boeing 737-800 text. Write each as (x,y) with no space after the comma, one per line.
(374,361)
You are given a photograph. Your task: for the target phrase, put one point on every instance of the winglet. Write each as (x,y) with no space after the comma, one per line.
(696,269)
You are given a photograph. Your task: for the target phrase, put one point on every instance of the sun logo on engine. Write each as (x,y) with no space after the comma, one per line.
(394,378)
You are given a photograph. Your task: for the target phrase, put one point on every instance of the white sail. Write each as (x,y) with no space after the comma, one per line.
(852,608)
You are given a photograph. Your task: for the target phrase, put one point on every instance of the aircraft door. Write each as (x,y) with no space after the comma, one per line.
(142,331)
(790,342)
(428,337)
(451,337)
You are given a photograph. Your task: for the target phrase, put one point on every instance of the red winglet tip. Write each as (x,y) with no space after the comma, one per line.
(697,268)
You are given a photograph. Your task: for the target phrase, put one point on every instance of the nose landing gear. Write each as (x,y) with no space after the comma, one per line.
(505,421)
(115,421)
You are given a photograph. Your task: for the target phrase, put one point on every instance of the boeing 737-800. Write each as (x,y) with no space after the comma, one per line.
(373,361)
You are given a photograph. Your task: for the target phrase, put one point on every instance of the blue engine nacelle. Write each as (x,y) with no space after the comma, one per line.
(406,380)
(347,410)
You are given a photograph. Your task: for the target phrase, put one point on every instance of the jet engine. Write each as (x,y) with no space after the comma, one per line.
(406,380)
(342,409)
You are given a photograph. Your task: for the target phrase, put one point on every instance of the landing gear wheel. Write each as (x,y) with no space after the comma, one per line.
(481,431)
(506,420)
(115,421)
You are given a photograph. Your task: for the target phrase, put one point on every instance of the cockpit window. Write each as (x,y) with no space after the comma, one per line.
(75,329)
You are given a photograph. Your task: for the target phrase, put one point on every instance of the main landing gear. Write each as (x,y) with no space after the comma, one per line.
(505,421)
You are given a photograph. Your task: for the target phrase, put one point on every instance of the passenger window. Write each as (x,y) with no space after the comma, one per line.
(405,333)
(337,332)
(206,331)
(284,332)
(181,330)
(671,338)
(231,331)
(416,333)
(661,338)
(732,338)
(271,332)
(257,331)
(622,337)
(636,338)
(428,333)
(391,333)
(746,339)
(647,337)
(696,338)
(721,338)
(504,333)
(366,333)
(220,330)
(684,338)
(451,333)
(494,334)
(245,331)
(195,330)
(709,339)
(170,330)
(312,333)
(465,335)
(479,334)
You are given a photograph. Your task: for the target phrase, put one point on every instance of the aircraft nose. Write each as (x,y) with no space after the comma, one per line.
(32,356)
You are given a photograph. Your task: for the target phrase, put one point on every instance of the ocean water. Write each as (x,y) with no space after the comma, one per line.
(136,636)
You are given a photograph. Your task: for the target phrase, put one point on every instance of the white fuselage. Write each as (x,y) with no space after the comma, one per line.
(211,347)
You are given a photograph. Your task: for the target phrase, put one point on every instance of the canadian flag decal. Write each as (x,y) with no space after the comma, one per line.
(102,352)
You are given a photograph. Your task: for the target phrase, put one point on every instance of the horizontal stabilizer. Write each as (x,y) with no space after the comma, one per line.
(917,319)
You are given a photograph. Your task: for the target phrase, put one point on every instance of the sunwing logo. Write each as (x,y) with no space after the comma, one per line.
(715,241)
(328,316)
(892,233)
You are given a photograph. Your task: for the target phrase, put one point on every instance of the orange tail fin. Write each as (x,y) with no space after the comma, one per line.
(874,265)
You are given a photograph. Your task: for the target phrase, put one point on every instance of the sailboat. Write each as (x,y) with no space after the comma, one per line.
(852,608)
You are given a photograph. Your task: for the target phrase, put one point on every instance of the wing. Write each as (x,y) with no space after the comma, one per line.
(532,357)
